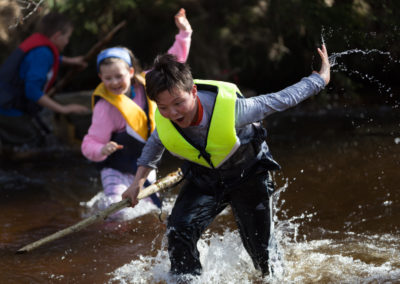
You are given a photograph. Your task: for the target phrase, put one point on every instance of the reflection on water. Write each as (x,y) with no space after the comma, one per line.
(336,213)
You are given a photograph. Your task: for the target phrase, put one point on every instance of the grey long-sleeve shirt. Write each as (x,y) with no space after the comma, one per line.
(247,111)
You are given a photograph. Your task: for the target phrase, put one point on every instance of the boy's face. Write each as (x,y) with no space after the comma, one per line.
(61,39)
(116,77)
(178,106)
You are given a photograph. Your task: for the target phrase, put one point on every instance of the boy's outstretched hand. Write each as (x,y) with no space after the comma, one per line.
(325,71)
(182,22)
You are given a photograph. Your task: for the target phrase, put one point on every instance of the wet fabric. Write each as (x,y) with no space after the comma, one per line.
(221,141)
(243,187)
(197,206)
(247,111)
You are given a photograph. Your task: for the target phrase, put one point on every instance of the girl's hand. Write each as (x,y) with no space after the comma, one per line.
(182,22)
(325,71)
(110,148)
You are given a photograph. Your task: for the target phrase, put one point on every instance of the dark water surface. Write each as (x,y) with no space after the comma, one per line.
(336,212)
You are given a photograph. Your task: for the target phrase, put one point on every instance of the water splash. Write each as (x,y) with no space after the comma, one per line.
(356,258)
(337,66)
(323,32)
(335,55)
(223,257)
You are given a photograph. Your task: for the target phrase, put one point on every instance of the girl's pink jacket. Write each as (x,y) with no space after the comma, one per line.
(106,119)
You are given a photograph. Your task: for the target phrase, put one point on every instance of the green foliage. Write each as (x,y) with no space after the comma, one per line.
(262,45)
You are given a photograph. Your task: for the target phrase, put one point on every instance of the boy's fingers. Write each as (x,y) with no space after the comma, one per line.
(325,51)
(323,54)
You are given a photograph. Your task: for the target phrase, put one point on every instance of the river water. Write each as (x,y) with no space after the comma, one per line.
(336,212)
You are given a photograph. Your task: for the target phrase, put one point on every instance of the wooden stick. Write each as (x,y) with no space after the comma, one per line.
(92,52)
(166,182)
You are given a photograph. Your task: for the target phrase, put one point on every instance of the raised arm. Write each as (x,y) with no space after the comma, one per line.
(181,46)
(257,108)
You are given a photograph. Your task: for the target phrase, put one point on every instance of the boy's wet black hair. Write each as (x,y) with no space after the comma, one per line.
(54,22)
(169,74)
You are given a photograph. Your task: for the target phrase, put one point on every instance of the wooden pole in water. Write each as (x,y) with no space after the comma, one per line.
(166,182)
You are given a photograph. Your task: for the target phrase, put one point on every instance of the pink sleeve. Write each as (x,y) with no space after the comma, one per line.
(181,46)
(106,119)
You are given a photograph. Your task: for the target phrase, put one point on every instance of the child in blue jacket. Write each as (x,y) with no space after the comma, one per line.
(25,77)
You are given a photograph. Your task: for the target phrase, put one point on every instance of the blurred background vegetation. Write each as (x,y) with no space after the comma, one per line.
(262,45)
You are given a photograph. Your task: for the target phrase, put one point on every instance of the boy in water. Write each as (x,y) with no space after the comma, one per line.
(227,161)
(25,77)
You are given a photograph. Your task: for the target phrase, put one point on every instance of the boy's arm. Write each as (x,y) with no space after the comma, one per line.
(152,151)
(78,61)
(34,69)
(257,108)
(46,101)
(133,190)
(148,160)
(181,46)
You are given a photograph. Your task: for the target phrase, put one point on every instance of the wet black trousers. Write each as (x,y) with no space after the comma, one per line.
(197,206)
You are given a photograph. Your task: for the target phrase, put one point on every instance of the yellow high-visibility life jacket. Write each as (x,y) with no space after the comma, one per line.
(222,140)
